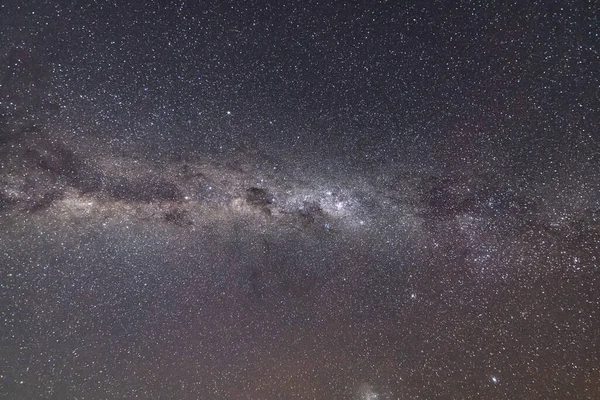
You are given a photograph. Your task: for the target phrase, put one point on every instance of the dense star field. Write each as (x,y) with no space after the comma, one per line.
(312,200)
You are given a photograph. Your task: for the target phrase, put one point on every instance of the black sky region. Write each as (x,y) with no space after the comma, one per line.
(299,199)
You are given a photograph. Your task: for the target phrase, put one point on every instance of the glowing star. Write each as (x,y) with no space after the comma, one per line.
(366,392)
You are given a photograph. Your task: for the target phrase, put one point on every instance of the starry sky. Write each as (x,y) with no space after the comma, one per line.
(299,199)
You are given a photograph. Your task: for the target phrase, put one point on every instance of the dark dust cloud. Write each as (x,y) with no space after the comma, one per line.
(316,200)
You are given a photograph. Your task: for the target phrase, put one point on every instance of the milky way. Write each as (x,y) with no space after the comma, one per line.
(312,201)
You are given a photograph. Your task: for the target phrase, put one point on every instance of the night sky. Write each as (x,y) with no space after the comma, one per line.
(310,199)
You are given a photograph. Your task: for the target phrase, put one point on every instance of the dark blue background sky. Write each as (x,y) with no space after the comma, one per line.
(272,200)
